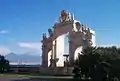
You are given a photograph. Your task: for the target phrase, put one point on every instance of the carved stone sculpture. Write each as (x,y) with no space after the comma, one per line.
(65,16)
(50,32)
(44,36)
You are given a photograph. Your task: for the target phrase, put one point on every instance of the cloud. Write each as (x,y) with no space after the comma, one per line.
(3,32)
(30,45)
(4,50)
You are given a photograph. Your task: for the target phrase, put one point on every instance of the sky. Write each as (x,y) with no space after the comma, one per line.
(22,22)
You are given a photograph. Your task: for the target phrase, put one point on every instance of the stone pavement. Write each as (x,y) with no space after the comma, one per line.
(32,79)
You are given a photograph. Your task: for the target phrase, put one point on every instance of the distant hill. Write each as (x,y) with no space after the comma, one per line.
(23,58)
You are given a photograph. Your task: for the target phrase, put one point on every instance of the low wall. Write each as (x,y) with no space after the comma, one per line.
(46,71)
(43,70)
(24,69)
(56,70)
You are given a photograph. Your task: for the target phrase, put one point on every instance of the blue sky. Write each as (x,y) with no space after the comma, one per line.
(22,22)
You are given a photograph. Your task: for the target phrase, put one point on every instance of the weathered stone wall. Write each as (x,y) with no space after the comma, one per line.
(24,70)
(56,71)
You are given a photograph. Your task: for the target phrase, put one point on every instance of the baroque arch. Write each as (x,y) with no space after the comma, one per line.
(79,36)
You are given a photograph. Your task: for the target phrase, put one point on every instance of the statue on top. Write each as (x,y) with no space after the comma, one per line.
(65,16)
(44,36)
(50,31)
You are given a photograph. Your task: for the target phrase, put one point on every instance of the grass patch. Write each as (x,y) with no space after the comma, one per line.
(26,76)
(14,76)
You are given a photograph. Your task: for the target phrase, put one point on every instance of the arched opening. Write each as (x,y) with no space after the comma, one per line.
(60,50)
(77,51)
(62,46)
(49,57)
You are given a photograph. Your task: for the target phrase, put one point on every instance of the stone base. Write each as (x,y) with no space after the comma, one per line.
(56,70)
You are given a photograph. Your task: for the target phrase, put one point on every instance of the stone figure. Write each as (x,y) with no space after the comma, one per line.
(69,16)
(78,26)
(88,34)
(65,16)
(44,36)
(82,29)
(88,38)
(50,32)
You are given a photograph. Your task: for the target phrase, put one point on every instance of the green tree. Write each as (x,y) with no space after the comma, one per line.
(92,63)
(4,64)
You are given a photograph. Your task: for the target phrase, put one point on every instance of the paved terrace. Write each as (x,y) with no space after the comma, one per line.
(19,77)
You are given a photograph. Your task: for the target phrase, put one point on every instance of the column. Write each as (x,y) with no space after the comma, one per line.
(55,50)
(53,59)
(71,54)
